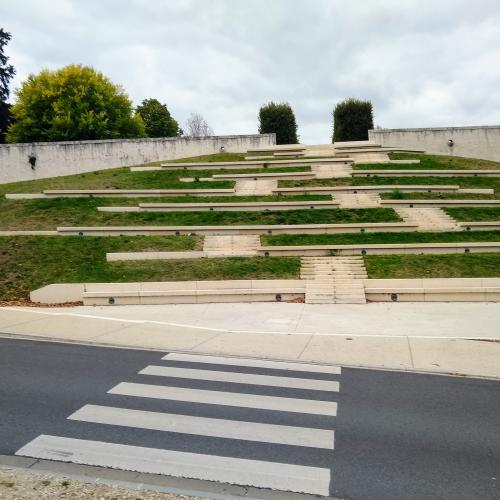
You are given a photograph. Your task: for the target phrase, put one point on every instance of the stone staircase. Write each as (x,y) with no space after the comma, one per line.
(251,187)
(429,219)
(358,200)
(334,280)
(331,171)
(232,245)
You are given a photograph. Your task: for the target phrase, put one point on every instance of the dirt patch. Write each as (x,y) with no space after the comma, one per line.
(28,303)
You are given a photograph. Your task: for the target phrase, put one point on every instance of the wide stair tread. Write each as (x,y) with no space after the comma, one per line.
(428,218)
(334,280)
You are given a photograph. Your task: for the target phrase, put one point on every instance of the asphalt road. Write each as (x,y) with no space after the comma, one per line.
(357,434)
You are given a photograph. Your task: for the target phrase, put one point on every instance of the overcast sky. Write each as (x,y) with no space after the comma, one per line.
(421,62)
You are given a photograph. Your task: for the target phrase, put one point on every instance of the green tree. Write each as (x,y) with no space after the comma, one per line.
(72,103)
(278,118)
(157,119)
(7,72)
(352,119)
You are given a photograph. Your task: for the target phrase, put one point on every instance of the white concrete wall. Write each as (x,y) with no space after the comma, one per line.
(471,142)
(73,157)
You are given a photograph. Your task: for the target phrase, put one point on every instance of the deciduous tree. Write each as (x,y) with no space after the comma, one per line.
(72,103)
(157,119)
(197,126)
(7,72)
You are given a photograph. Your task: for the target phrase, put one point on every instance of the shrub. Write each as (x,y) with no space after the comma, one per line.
(72,103)
(278,119)
(352,119)
(157,119)
(396,194)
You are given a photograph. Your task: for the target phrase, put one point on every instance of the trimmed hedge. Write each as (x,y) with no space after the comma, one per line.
(352,119)
(278,118)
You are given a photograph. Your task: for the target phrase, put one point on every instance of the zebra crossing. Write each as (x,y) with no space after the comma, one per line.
(249,422)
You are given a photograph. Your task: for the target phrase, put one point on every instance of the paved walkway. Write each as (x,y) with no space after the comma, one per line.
(447,338)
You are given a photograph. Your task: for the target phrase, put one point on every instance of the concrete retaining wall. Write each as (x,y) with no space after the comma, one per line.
(471,142)
(73,157)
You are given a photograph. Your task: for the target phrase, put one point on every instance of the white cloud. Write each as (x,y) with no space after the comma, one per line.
(422,62)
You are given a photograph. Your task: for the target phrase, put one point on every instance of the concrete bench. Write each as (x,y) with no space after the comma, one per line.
(259,157)
(118,193)
(425,173)
(380,249)
(366,189)
(433,290)
(438,203)
(242,229)
(479,226)
(354,144)
(224,207)
(194,292)
(266,176)
(246,164)
(279,148)
(289,154)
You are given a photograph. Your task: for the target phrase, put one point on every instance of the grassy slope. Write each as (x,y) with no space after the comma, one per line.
(428,162)
(434,266)
(464,182)
(123,178)
(368,238)
(48,214)
(27,263)
(467,214)
(398,195)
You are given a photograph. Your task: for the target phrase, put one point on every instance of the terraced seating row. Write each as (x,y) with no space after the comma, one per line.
(439,203)
(380,249)
(267,176)
(433,290)
(242,229)
(116,193)
(131,193)
(226,207)
(371,188)
(376,290)
(246,164)
(425,173)
(193,292)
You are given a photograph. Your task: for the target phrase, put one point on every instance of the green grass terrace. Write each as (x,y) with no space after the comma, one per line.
(486,265)
(47,214)
(30,262)
(429,162)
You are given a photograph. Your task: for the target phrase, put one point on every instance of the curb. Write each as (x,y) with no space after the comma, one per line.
(139,481)
(56,340)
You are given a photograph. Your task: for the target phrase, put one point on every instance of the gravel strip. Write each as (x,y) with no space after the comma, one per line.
(16,484)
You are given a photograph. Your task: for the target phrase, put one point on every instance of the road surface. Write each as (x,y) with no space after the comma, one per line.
(342,432)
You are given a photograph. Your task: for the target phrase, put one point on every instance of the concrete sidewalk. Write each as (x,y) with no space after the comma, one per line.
(446,338)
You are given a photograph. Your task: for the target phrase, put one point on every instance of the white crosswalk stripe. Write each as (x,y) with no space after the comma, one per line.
(216,427)
(258,473)
(211,463)
(254,363)
(242,378)
(226,398)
